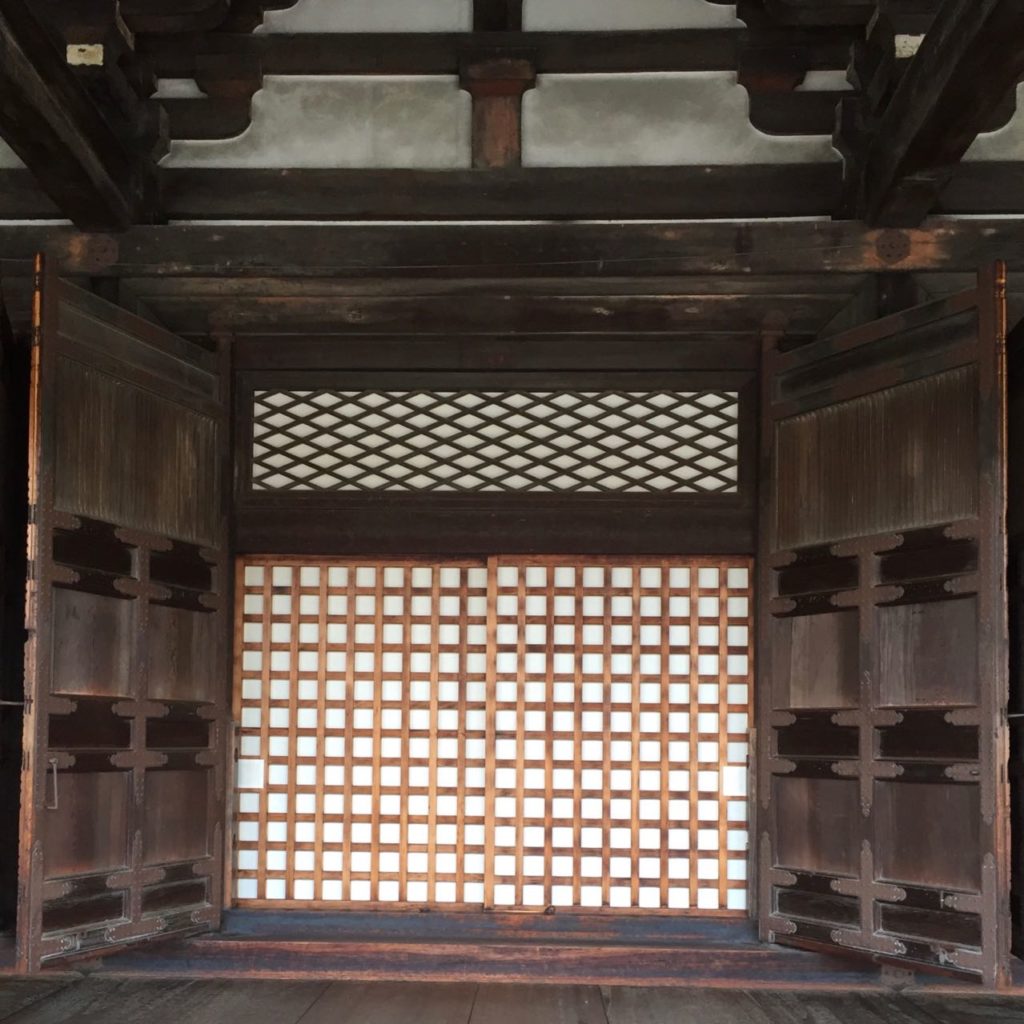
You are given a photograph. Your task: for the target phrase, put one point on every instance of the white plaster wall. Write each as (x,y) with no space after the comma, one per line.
(345,122)
(607,15)
(1005,144)
(373,16)
(686,118)
(8,158)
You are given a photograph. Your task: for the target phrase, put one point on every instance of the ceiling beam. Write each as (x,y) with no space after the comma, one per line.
(441,53)
(952,88)
(497,15)
(733,191)
(49,119)
(500,251)
(638,315)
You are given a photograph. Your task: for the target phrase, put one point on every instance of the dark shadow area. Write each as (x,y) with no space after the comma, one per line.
(15,354)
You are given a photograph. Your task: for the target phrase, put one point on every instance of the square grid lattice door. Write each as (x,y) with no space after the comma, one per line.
(510,733)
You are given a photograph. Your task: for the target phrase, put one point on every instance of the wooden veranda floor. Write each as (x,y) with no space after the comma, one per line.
(103,1000)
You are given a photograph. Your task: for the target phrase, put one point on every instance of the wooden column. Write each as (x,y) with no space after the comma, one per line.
(497,86)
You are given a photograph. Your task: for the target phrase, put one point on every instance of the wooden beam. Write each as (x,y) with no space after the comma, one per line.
(50,121)
(507,251)
(497,15)
(969,60)
(640,315)
(819,12)
(440,53)
(729,191)
(555,193)
(674,352)
(173,16)
(22,198)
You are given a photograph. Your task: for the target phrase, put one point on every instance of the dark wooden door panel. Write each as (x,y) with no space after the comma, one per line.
(883,812)
(123,788)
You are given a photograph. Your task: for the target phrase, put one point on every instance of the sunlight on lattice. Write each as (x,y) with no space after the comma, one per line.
(593,757)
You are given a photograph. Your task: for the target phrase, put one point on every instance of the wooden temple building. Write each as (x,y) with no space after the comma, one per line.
(522,490)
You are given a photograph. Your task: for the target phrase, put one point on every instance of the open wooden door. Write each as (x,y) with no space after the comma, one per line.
(883,805)
(123,780)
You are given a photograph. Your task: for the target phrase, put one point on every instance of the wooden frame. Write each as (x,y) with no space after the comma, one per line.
(466,524)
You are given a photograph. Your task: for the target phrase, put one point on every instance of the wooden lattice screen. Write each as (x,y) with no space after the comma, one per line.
(515,733)
(660,442)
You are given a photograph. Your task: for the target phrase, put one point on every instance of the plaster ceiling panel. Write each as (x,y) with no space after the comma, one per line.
(371,16)
(1005,144)
(653,119)
(609,15)
(421,122)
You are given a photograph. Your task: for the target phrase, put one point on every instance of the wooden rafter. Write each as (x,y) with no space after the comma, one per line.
(951,90)
(94,174)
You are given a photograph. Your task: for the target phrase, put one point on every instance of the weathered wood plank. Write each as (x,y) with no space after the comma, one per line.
(661,1006)
(531,1004)
(963,1009)
(709,1006)
(18,994)
(173,1001)
(393,1003)
(848,1008)
(554,964)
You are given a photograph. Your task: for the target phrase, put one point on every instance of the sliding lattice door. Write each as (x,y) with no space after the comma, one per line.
(510,733)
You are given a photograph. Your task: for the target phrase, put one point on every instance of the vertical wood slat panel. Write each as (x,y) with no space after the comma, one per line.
(617,625)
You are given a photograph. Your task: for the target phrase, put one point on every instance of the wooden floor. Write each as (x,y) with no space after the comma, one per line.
(103,1000)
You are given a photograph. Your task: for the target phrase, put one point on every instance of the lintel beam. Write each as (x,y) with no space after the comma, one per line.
(504,251)
(441,53)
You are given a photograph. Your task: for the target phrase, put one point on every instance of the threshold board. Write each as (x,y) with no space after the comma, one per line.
(549,949)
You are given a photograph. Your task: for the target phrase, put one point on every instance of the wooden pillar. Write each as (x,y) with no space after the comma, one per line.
(497,86)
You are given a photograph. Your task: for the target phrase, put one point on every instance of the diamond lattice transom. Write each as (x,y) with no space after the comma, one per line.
(555,441)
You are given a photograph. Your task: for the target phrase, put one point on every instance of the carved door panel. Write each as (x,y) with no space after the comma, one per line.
(122,810)
(883,808)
